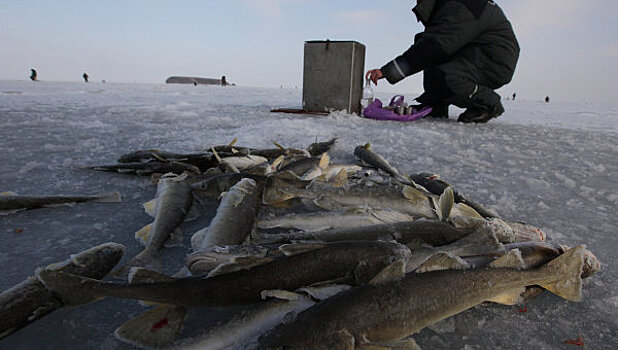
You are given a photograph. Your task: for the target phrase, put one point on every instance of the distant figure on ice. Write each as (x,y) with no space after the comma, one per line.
(223,81)
(32,74)
(514,94)
(468,50)
(85,76)
(547,99)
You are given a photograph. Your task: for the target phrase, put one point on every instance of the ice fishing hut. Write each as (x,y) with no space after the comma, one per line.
(333,75)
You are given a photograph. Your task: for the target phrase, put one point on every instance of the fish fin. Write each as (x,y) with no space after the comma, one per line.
(231,144)
(286,175)
(280,294)
(8,193)
(326,202)
(445,203)
(141,275)
(276,164)
(280,191)
(312,174)
(367,146)
(478,242)
(345,280)
(324,161)
(341,179)
(512,259)
(403,344)
(392,272)
(297,248)
(530,293)
(216,154)
(568,269)
(150,207)
(442,261)
(462,209)
(240,263)
(412,194)
(388,216)
(154,328)
(143,234)
(113,197)
(71,289)
(159,157)
(510,297)
(324,292)
(146,258)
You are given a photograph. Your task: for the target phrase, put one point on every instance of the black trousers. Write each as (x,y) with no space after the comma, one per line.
(458,82)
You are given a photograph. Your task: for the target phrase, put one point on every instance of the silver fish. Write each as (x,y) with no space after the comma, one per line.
(146,169)
(324,220)
(233,221)
(317,148)
(369,157)
(174,199)
(11,202)
(30,300)
(387,312)
(432,232)
(154,155)
(234,218)
(350,262)
(405,199)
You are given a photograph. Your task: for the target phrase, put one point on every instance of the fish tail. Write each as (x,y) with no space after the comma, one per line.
(568,269)
(113,197)
(154,328)
(446,203)
(71,289)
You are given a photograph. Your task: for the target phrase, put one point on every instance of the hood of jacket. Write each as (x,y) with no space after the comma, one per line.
(423,10)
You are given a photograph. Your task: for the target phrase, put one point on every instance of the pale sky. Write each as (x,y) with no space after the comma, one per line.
(569,47)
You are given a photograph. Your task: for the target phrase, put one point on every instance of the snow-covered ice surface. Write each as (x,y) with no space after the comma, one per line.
(551,165)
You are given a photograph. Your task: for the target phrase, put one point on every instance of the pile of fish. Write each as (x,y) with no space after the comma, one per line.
(319,255)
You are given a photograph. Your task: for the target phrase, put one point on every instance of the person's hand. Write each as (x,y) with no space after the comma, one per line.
(374,75)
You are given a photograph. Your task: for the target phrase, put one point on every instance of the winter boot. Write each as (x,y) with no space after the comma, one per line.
(478,115)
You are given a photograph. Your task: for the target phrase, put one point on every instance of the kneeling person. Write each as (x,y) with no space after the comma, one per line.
(468,50)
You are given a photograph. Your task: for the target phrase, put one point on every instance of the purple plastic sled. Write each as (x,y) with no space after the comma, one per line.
(375,111)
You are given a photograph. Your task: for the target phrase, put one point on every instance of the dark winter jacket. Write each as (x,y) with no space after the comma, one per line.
(476,30)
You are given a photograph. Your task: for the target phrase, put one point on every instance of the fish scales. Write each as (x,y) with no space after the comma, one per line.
(395,310)
(355,261)
(386,197)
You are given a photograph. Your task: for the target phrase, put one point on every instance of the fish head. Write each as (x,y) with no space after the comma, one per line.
(96,261)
